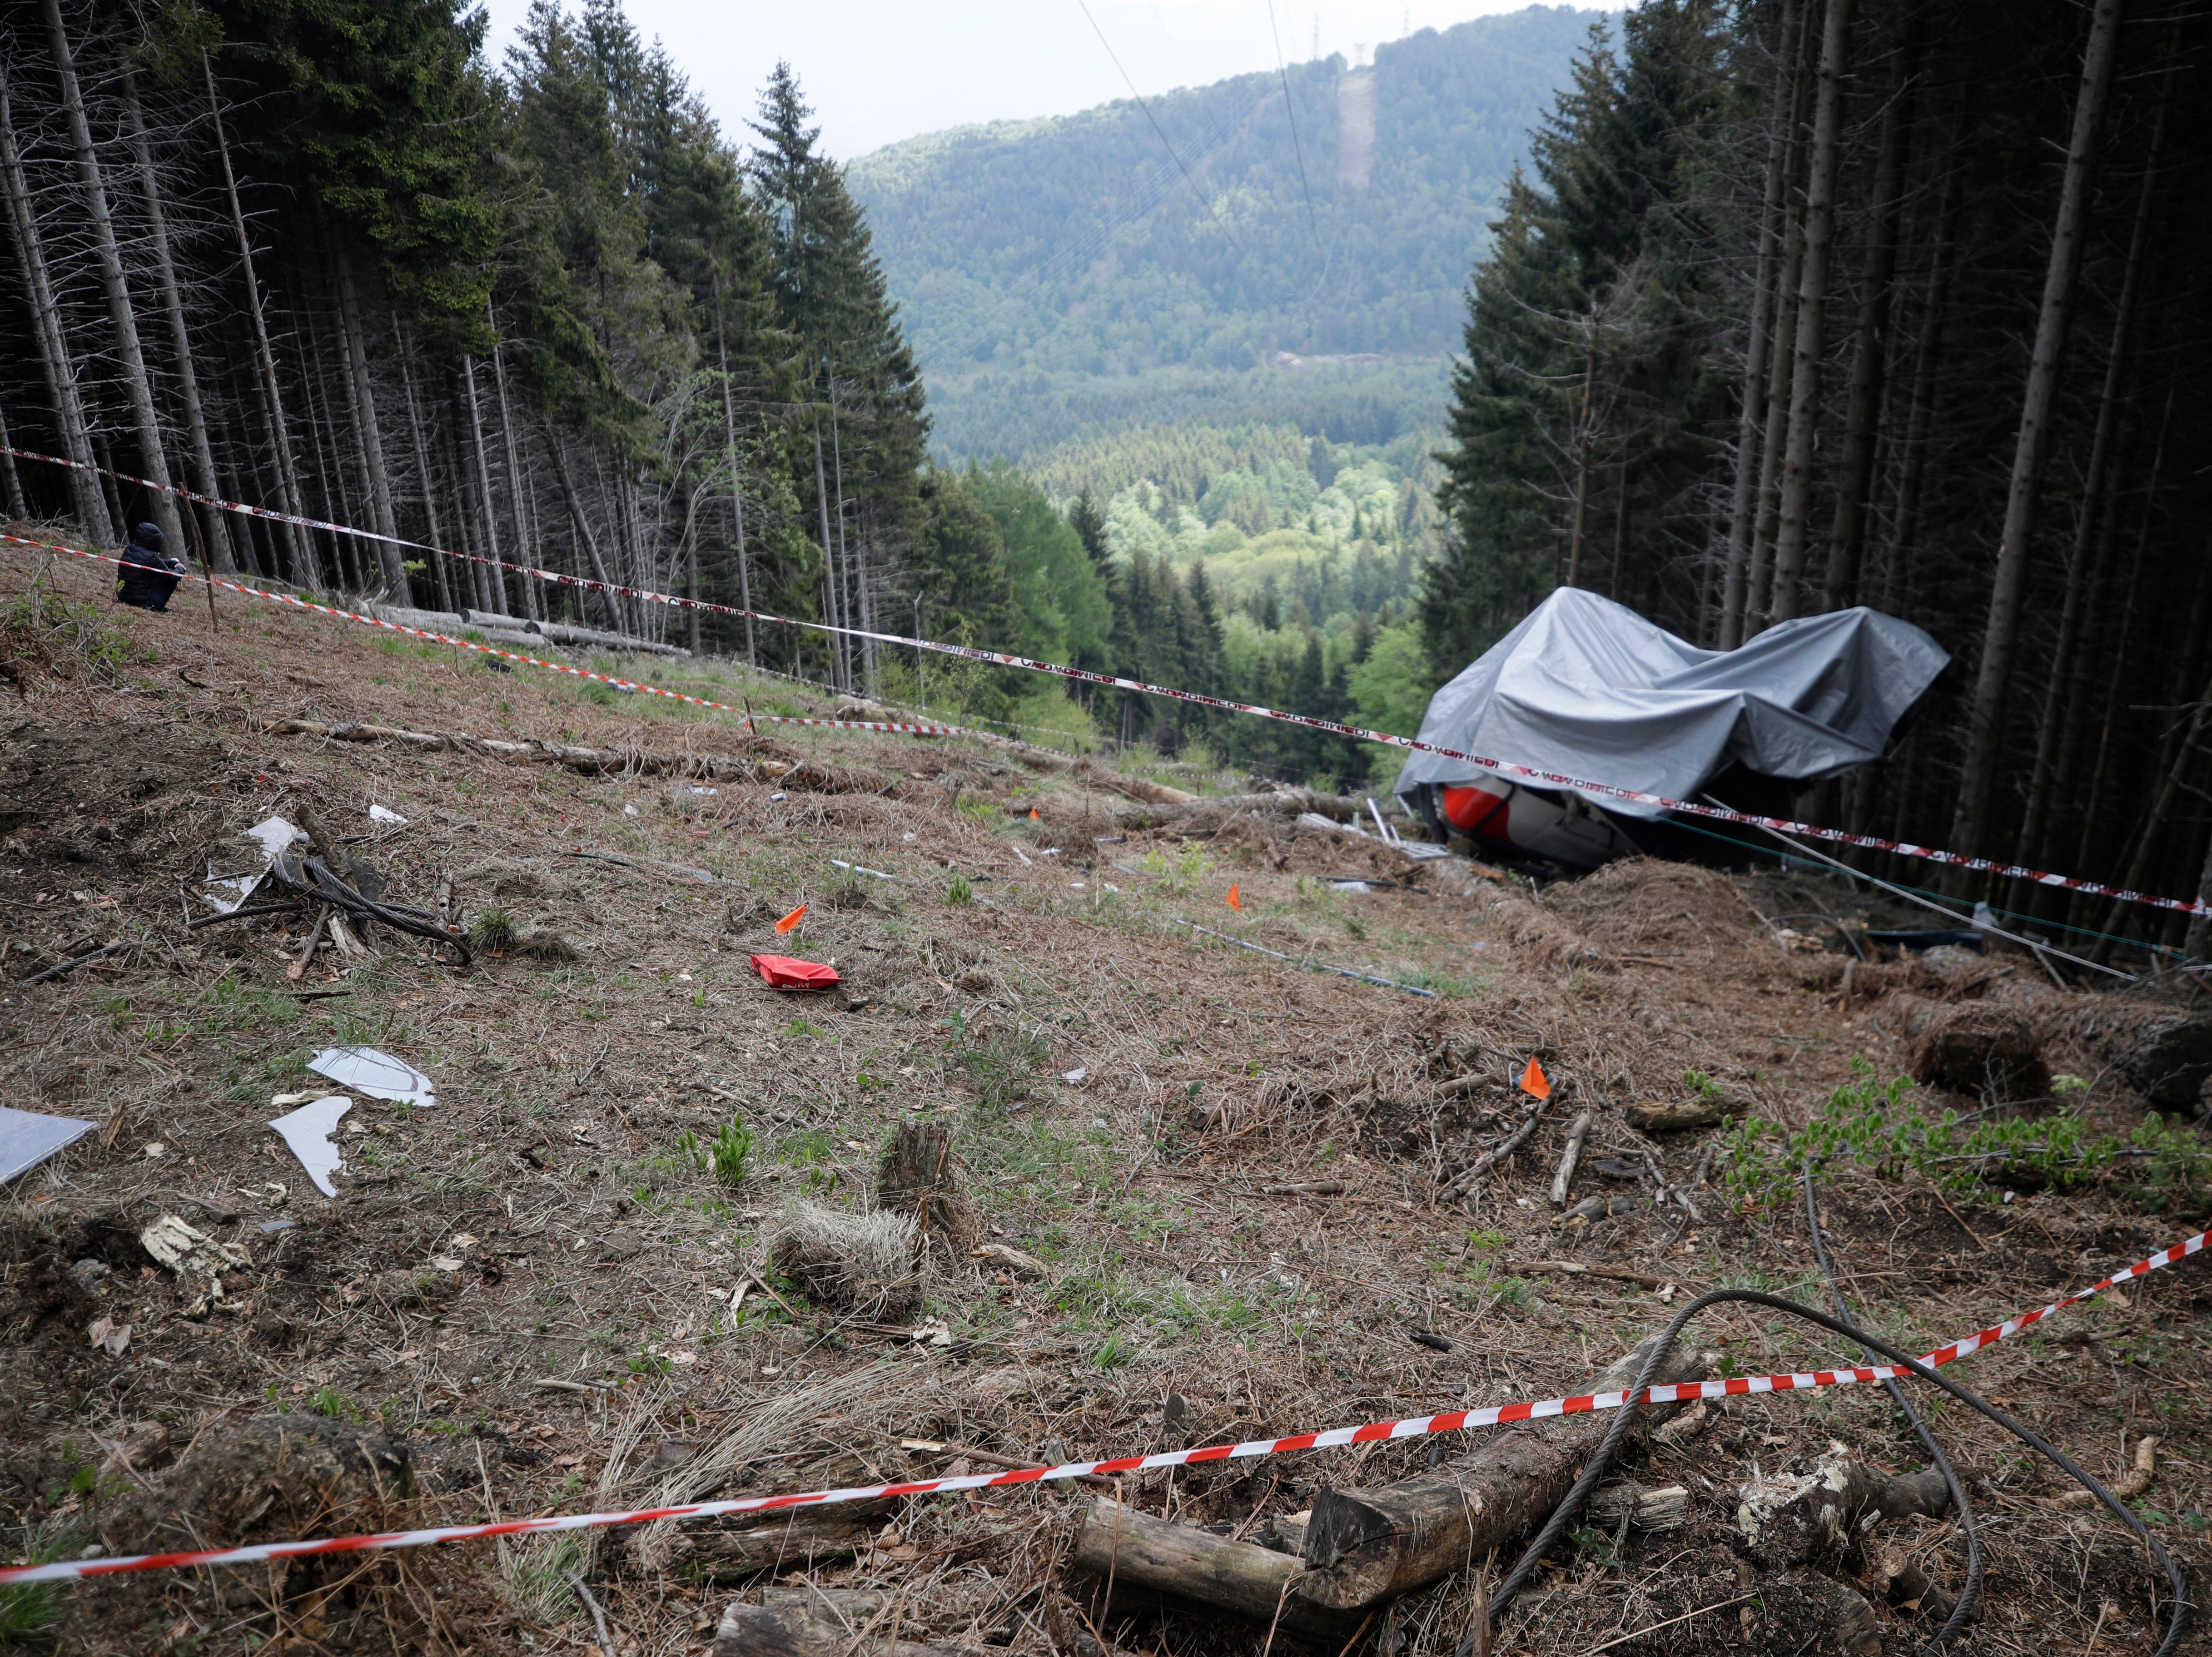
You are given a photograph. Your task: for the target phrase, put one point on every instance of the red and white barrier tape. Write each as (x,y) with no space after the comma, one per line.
(1358,733)
(1414,1427)
(509,655)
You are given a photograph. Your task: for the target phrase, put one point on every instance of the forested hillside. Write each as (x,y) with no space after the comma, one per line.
(1061,277)
(332,261)
(1810,303)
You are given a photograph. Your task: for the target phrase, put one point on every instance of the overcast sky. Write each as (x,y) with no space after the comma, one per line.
(879,70)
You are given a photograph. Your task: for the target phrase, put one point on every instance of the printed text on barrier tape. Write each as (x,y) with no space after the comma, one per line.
(510,655)
(1359,733)
(1415,1427)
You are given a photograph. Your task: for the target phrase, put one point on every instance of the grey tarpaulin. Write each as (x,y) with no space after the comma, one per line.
(1588,687)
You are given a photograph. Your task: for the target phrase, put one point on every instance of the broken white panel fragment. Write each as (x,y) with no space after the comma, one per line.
(378,1075)
(379,814)
(27,1138)
(307,1131)
(226,893)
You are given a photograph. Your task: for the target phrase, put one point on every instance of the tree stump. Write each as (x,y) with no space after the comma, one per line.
(920,1177)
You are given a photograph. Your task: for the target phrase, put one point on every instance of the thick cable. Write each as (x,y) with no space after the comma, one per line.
(1571,1503)
(1971,1590)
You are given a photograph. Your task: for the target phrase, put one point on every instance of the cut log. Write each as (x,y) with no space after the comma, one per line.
(1137,1550)
(1366,1546)
(799,1544)
(820,1628)
(1814,1517)
(1666,1116)
(1568,1158)
(1667,1508)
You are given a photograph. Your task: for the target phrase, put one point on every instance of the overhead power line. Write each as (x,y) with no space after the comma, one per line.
(1202,198)
(1296,148)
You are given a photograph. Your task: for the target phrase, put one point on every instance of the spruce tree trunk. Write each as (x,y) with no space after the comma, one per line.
(1766,501)
(2083,569)
(1744,500)
(18,508)
(306,564)
(492,582)
(2119,653)
(1792,526)
(583,525)
(199,452)
(153,456)
(1870,351)
(516,495)
(423,469)
(1583,457)
(1969,830)
(830,572)
(369,436)
(737,494)
(1927,359)
(330,473)
(91,505)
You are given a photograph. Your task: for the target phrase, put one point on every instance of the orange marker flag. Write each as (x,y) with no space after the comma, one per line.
(1033,812)
(790,920)
(1235,902)
(1534,1081)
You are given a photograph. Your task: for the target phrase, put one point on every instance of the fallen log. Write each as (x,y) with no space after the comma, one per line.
(1562,1180)
(816,1623)
(1136,1550)
(1362,1547)
(759,766)
(1279,801)
(799,1544)
(1659,1116)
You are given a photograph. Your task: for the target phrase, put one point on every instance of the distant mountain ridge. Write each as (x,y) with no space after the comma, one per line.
(1060,274)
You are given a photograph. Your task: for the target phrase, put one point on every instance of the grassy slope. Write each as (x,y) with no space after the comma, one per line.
(597,1250)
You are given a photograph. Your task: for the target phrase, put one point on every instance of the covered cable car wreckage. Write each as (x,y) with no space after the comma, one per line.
(1586,688)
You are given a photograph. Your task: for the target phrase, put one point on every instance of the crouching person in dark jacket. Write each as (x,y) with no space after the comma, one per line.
(149,576)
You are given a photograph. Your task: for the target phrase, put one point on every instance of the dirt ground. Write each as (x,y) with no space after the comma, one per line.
(520,1302)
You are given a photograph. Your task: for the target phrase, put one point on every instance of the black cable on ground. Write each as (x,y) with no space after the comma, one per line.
(1970,1591)
(1602,1459)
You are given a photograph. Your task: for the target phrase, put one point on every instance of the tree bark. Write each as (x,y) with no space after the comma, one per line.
(1792,526)
(2001,635)
(18,508)
(54,362)
(1363,1548)
(837,676)
(491,581)
(1744,502)
(1787,281)
(1927,358)
(368,437)
(737,493)
(1870,351)
(516,494)
(2080,572)
(583,529)
(201,455)
(423,469)
(1583,455)
(1137,1550)
(138,391)
(305,563)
